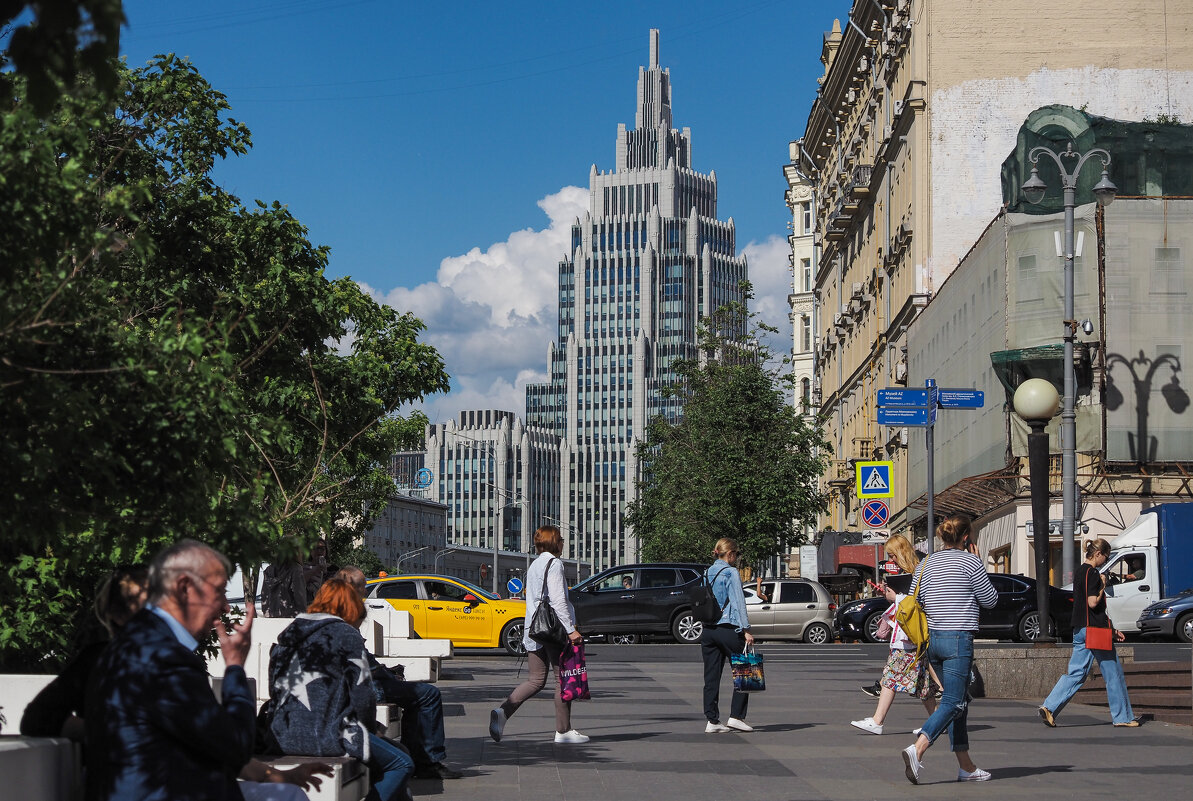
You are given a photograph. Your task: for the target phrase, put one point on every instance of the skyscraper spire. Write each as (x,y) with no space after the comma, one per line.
(654,48)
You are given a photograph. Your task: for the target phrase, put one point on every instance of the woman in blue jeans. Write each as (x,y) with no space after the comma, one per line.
(1089,585)
(952,585)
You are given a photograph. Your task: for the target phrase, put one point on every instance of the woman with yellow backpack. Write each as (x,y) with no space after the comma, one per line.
(950,585)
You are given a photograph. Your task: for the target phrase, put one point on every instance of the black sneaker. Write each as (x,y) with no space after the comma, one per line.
(873,690)
(436,770)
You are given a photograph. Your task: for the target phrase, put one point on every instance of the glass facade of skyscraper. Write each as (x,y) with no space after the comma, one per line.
(648,261)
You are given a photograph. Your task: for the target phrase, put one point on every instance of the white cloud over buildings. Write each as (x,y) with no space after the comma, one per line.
(491,314)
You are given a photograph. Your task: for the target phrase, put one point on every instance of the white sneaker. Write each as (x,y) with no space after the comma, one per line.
(867,724)
(715,728)
(570,737)
(496,724)
(912,765)
(916,732)
(739,725)
(978,775)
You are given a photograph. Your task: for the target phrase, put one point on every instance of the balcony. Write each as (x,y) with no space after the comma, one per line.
(859,183)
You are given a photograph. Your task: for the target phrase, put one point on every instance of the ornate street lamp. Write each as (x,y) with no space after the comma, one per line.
(1036,402)
(1104,192)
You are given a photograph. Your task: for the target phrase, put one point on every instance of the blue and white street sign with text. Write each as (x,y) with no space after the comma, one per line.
(961,398)
(902,397)
(906,416)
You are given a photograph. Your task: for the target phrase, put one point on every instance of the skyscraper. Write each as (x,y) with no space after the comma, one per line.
(649,260)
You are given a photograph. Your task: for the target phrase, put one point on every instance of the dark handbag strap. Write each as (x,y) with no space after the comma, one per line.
(543,592)
(1085,598)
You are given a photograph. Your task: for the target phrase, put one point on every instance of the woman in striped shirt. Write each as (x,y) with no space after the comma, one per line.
(952,585)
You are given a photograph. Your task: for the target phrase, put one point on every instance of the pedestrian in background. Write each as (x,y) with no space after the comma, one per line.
(731,634)
(283,585)
(548,544)
(1090,586)
(952,585)
(906,670)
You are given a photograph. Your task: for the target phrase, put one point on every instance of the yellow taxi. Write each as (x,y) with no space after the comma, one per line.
(448,608)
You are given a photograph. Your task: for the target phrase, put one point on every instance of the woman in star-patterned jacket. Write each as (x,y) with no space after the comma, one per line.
(321,700)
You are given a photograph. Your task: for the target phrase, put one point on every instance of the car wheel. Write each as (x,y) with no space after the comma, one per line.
(817,634)
(871,626)
(686,628)
(625,639)
(511,637)
(1028,629)
(1184,628)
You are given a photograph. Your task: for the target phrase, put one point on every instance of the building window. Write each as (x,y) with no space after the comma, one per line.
(805,326)
(805,391)
(807,215)
(1168,276)
(806,272)
(1029,285)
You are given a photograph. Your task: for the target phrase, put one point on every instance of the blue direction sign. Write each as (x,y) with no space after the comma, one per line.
(905,416)
(514,585)
(903,397)
(960,398)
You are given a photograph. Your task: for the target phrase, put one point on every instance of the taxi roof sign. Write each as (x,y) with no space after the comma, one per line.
(873,479)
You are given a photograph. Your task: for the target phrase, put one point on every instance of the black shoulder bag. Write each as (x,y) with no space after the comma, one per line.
(545,628)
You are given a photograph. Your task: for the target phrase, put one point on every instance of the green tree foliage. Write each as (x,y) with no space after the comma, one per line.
(58,40)
(172,362)
(412,431)
(741,463)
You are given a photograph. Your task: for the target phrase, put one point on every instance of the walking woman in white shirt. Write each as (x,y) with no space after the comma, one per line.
(548,544)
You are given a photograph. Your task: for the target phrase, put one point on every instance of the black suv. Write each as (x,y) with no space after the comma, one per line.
(629,601)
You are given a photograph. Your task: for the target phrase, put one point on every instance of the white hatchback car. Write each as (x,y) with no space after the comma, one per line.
(793,609)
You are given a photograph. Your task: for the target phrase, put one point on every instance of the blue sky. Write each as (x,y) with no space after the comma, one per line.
(441,150)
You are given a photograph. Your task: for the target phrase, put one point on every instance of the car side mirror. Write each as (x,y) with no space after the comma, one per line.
(469,598)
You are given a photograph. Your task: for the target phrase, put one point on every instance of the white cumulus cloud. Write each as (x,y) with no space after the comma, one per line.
(770,274)
(492,313)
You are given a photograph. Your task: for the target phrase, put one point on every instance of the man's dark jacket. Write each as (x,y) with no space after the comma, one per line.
(155,731)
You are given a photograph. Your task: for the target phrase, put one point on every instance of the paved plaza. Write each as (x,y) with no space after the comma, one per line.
(648,742)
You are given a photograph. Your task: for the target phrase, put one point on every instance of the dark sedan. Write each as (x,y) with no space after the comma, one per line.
(1013,616)
(631,601)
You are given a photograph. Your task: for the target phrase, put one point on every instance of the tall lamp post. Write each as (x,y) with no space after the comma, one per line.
(440,555)
(415,552)
(1036,402)
(1104,192)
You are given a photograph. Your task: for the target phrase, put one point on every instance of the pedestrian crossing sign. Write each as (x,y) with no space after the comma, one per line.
(874,480)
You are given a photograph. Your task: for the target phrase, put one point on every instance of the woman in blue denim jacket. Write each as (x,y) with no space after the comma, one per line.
(730,635)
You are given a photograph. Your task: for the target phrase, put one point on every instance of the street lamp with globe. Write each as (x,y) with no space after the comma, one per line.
(1033,192)
(1036,401)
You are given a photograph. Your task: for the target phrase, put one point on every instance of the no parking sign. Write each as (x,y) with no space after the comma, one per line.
(875,514)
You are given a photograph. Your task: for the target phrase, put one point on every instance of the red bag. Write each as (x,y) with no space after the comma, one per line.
(1098,638)
(573,675)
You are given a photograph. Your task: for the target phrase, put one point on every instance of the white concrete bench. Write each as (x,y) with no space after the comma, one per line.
(17,691)
(349,780)
(39,768)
